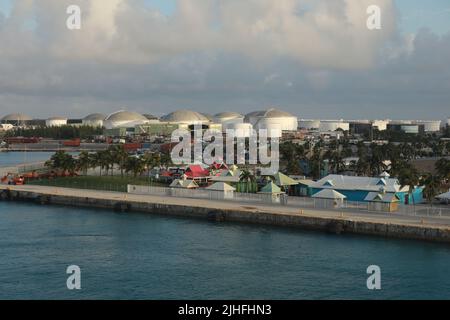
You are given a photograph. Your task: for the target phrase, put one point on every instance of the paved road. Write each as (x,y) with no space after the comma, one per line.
(393,218)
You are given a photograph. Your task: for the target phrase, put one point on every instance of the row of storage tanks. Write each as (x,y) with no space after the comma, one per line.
(270,119)
(406,125)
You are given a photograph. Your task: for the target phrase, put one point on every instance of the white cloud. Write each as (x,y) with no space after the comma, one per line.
(329,34)
(214,54)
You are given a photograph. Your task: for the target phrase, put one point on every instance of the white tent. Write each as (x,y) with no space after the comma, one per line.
(328,194)
(328,198)
(221,190)
(444,197)
(221,186)
(186,184)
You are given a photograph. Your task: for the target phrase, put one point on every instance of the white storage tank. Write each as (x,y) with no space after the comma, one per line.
(56,122)
(187,117)
(94,120)
(272,119)
(309,124)
(333,125)
(241,130)
(124,119)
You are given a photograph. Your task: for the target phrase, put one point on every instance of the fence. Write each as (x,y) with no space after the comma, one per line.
(290,201)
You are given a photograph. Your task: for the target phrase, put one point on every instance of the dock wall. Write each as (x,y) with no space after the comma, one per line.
(246,215)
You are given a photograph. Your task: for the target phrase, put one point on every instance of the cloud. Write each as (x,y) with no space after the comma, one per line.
(325,34)
(314,58)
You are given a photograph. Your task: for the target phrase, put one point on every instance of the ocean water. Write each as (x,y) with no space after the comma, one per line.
(144,256)
(15,158)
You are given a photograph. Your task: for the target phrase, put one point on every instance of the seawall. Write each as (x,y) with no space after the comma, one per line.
(222,211)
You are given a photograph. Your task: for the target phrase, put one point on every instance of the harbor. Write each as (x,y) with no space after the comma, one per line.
(334,221)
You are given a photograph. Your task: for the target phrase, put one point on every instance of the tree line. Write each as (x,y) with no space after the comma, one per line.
(62,132)
(372,161)
(106,160)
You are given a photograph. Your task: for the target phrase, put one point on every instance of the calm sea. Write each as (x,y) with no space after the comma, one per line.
(15,158)
(143,256)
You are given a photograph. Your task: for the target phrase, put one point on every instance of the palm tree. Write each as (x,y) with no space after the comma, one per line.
(443,168)
(247,177)
(84,162)
(95,161)
(362,166)
(409,177)
(119,156)
(62,161)
(135,165)
(432,187)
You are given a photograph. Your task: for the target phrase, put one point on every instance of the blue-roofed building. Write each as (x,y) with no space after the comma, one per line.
(361,188)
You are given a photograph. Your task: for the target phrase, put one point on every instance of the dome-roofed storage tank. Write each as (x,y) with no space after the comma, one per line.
(16,119)
(94,120)
(56,122)
(272,119)
(124,119)
(185,117)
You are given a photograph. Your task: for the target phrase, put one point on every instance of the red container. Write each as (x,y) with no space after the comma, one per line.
(132,146)
(72,143)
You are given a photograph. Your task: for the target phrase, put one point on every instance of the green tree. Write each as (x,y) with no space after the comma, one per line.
(432,187)
(409,177)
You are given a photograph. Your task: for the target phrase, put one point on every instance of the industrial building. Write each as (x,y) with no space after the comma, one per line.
(406,127)
(429,125)
(156,128)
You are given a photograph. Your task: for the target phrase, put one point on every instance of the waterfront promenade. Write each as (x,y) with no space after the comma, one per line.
(385,224)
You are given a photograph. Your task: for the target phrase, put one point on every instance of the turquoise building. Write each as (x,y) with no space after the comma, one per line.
(361,188)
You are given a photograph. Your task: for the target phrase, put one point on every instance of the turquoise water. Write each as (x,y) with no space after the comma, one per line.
(143,256)
(15,158)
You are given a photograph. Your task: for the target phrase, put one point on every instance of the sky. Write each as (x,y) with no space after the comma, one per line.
(313,58)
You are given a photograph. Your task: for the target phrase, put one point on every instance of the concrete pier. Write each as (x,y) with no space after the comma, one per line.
(385,225)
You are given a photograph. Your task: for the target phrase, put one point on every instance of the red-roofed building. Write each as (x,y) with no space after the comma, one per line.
(198,173)
(219,166)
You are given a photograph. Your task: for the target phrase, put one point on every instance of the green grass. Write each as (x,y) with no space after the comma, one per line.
(108,183)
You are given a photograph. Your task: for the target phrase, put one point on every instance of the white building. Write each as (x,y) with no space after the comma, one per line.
(381,125)
(124,119)
(56,122)
(430,125)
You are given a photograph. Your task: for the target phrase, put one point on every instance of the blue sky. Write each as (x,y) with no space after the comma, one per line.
(415,14)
